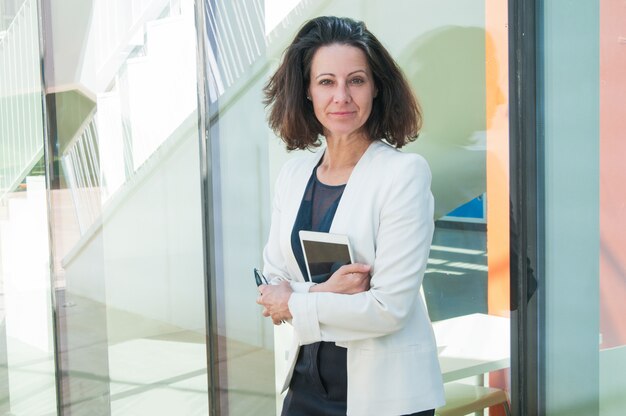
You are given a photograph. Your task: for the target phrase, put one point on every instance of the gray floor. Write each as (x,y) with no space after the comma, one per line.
(455,282)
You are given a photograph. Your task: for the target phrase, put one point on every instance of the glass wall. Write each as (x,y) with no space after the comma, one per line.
(583,90)
(125,208)
(27,373)
(455,56)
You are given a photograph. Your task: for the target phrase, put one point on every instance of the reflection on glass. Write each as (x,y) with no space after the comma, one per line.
(451,87)
(455,88)
(125,207)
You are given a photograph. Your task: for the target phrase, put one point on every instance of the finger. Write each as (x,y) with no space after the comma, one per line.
(265,312)
(356,268)
(358,277)
(259,300)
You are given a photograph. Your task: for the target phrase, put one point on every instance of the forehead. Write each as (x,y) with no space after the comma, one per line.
(337,59)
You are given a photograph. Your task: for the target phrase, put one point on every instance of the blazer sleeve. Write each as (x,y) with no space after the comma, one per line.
(274,262)
(402,247)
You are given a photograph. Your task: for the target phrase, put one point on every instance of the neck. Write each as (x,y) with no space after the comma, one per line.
(340,157)
(344,153)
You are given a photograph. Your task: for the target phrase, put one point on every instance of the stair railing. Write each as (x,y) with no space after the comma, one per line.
(21,125)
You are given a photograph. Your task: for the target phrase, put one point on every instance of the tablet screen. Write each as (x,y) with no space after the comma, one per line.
(324,253)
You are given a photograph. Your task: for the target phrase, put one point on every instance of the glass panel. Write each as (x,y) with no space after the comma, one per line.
(455,57)
(235,65)
(585,339)
(125,203)
(571,211)
(27,384)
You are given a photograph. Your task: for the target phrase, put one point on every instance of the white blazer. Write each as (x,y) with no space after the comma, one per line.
(387,212)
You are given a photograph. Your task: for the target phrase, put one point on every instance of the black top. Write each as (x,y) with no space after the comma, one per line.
(316,213)
(319,383)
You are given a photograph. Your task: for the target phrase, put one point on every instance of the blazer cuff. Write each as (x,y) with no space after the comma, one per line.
(301,287)
(303,308)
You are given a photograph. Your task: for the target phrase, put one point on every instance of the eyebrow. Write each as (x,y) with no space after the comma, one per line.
(331,74)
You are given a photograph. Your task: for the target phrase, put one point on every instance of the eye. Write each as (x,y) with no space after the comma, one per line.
(326,81)
(357,81)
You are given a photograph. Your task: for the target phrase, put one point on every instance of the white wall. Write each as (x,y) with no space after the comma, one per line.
(147,257)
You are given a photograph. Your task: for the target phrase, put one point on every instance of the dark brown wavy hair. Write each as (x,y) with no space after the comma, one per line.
(396,115)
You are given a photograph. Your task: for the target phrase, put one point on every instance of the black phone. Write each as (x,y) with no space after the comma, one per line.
(259,278)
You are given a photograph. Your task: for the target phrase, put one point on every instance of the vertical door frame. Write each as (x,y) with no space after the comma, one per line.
(208,208)
(526,221)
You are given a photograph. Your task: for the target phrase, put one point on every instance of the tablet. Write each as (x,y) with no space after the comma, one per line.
(324,253)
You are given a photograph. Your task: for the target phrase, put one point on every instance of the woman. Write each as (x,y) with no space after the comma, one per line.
(363,343)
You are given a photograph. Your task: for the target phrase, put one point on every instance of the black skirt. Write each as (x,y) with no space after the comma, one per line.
(319,385)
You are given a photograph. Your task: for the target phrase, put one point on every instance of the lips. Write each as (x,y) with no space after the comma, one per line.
(342,113)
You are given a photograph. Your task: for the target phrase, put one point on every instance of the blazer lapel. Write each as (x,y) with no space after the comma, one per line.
(352,194)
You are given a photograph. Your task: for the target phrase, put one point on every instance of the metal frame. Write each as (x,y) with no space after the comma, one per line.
(526,220)
(52,182)
(208,223)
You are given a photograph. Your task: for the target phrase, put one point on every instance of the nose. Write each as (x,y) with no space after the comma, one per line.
(342,93)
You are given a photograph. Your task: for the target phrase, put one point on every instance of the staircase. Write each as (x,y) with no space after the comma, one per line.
(132,120)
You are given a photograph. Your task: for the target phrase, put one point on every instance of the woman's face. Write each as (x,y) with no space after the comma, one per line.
(342,89)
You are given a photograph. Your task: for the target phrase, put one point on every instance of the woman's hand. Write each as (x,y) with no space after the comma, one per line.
(275,299)
(348,280)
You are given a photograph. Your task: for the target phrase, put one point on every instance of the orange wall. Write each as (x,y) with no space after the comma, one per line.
(612,172)
(496,72)
(497,81)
